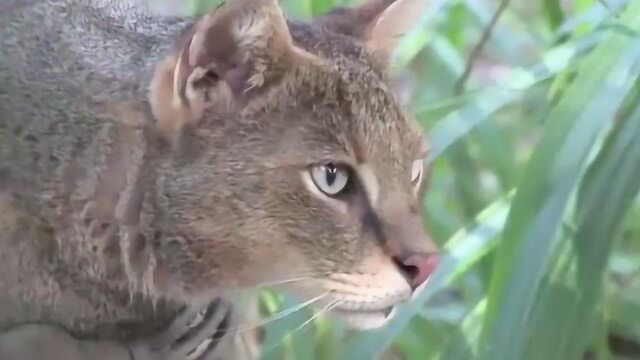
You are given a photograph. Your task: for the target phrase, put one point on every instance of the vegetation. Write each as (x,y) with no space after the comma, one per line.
(532,113)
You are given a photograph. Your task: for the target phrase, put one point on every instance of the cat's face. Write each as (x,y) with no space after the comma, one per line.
(355,195)
(315,186)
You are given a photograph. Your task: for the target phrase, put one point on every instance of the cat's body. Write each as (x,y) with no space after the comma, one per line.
(135,179)
(68,65)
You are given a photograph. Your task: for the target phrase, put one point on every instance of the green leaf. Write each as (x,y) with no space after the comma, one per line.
(601,204)
(457,124)
(553,12)
(605,196)
(591,17)
(465,344)
(556,167)
(292,334)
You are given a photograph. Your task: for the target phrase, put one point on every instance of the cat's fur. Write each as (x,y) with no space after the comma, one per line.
(151,162)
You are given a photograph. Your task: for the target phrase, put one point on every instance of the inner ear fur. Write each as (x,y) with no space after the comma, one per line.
(223,60)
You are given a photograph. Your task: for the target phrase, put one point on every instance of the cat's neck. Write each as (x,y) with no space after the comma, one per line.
(120,39)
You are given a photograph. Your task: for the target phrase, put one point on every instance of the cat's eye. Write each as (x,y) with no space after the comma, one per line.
(330,178)
(416,172)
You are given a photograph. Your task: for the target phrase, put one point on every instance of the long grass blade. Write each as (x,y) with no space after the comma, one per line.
(550,180)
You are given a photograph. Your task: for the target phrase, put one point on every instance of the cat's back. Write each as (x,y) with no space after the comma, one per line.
(62,64)
(61,61)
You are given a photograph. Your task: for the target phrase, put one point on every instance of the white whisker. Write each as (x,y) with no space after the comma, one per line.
(324,310)
(272,283)
(285,281)
(279,315)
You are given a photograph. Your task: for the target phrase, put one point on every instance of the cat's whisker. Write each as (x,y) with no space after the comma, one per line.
(275,282)
(286,281)
(326,309)
(330,306)
(279,315)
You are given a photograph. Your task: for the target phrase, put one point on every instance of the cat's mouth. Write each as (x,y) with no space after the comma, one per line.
(365,319)
(365,300)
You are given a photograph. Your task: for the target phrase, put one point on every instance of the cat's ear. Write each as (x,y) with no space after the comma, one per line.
(224,59)
(379,23)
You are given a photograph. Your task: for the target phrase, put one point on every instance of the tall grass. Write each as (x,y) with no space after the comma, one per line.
(533,197)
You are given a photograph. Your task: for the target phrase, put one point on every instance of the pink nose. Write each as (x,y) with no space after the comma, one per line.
(417,267)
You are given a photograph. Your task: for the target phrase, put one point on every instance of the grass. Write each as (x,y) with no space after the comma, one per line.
(533,197)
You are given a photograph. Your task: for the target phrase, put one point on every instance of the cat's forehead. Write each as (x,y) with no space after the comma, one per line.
(379,128)
(343,106)
(356,114)
(373,117)
(386,139)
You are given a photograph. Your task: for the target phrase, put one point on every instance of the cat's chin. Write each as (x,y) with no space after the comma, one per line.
(365,319)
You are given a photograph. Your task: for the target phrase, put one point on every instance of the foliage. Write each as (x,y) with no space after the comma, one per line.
(533,195)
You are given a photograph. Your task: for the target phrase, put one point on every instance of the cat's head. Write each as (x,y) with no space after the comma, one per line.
(299,167)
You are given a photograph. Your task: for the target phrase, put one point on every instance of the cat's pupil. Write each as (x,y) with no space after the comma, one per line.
(331,173)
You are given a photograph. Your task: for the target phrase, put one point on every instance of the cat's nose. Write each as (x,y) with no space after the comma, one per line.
(417,267)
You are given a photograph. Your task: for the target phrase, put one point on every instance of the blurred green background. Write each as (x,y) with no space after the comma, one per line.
(533,195)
